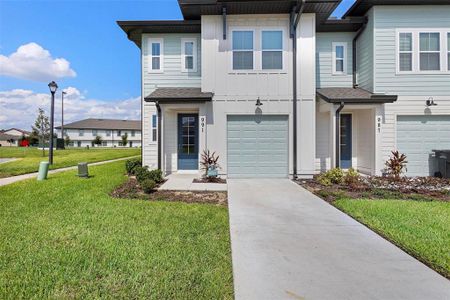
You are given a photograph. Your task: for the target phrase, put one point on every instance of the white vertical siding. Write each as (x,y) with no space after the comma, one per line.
(365,137)
(323,141)
(324,59)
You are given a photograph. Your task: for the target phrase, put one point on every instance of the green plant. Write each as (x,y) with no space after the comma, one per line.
(208,161)
(97,141)
(148,185)
(333,176)
(351,177)
(396,164)
(132,164)
(143,173)
(124,139)
(156,175)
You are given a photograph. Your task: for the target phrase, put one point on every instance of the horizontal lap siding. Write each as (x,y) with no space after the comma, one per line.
(324,59)
(387,20)
(364,58)
(171,77)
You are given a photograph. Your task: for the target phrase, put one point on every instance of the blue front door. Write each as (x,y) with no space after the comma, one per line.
(187,142)
(346,141)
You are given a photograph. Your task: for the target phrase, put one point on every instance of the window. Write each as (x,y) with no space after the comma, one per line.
(154,127)
(133,133)
(339,58)
(405,52)
(155,48)
(94,132)
(108,132)
(104,143)
(429,51)
(272,50)
(119,132)
(81,132)
(242,50)
(189,55)
(448,51)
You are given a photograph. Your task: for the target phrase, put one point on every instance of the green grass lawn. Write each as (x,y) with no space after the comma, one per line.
(29,158)
(420,228)
(66,238)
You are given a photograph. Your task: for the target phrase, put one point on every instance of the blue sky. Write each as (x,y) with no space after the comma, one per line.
(85,34)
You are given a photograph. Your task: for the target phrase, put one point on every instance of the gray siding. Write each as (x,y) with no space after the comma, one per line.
(387,20)
(365,49)
(324,59)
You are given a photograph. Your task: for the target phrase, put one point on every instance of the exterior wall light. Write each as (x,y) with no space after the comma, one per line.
(258,102)
(430,102)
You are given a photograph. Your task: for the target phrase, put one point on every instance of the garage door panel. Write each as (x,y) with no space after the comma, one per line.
(417,136)
(257,146)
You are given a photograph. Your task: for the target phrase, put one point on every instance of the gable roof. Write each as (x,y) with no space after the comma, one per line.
(6,137)
(104,124)
(360,7)
(17,129)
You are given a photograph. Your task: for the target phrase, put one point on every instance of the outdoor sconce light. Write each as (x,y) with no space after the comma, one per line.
(430,102)
(258,102)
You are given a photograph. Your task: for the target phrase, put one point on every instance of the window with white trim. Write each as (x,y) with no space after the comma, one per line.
(155,48)
(189,55)
(94,132)
(272,49)
(430,51)
(339,58)
(448,51)
(154,128)
(405,57)
(108,132)
(243,46)
(80,132)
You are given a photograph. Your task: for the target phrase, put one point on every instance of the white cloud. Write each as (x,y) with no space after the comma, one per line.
(18,108)
(33,62)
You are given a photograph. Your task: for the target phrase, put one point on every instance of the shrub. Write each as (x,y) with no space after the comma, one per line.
(156,175)
(132,164)
(142,173)
(335,176)
(351,177)
(396,164)
(148,185)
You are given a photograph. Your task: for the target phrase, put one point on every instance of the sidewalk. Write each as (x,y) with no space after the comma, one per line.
(9,180)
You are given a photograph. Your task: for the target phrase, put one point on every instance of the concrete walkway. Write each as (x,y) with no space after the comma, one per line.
(183,182)
(288,244)
(9,180)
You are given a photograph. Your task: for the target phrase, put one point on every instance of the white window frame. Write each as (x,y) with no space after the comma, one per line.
(447,37)
(160,41)
(416,51)
(400,52)
(154,129)
(438,52)
(283,48)
(232,30)
(194,55)
(80,132)
(334,58)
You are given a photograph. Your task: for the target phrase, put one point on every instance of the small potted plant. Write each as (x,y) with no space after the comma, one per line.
(209,164)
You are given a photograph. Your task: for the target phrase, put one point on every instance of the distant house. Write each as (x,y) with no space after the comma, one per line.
(11,137)
(16,132)
(83,133)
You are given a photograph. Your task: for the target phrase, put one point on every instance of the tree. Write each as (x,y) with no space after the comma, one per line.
(98,140)
(125,139)
(67,140)
(41,128)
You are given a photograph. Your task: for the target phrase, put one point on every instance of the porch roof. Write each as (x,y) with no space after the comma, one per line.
(178,95)
(353,95)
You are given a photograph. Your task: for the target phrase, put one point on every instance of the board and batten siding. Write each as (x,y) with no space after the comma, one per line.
(171,76)
(387,20)
(324,59)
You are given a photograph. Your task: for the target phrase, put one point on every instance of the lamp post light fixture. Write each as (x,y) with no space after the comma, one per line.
(53,87)
(62,114)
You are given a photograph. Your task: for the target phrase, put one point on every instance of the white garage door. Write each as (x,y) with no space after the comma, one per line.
(417,136)
(257,146)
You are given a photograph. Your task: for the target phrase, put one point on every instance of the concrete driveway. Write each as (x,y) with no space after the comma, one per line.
(288,244)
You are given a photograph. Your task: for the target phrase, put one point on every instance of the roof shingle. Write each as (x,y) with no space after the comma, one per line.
(104,124)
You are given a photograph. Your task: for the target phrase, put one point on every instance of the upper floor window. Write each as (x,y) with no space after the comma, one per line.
(423,51)
(154,127)
(272,50)
(133,133)
(119,132)
(430,51)
(155,55)
(108,132)
(242,50)
(94,132)
(189,55)
(405,51)
(339,58)
(81,132)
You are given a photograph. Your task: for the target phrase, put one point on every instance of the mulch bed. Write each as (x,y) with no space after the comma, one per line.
(416,189)
(131,190)
(210,180)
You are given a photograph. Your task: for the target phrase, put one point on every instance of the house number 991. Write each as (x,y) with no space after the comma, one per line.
(202,123)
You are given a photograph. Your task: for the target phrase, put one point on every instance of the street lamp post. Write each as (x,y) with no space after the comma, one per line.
(53,87)
(62,114)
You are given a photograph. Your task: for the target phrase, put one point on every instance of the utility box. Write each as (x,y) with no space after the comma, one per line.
(83,171)
(43,170)
(60,144)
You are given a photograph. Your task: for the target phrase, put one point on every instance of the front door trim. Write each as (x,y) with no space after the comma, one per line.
(187,141)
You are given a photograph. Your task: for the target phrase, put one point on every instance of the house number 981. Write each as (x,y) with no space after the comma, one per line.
(202,123)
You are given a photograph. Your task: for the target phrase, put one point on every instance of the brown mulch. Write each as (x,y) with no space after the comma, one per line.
(210,180)
(131,190)
(361,191)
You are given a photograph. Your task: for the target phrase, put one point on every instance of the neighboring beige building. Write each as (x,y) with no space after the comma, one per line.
(10,137)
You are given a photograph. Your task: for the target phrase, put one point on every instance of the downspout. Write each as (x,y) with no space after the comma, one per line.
(158,108)
(295,19)
(355,39)
(338,130)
